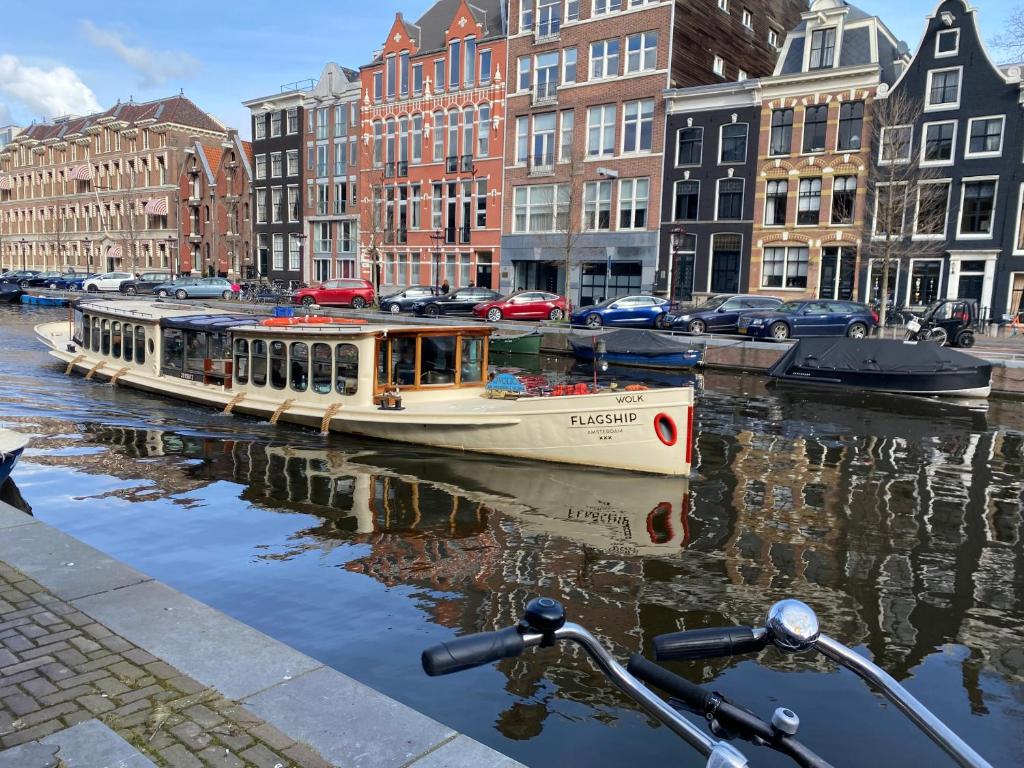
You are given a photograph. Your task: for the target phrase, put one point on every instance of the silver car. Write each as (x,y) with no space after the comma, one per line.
(196,288)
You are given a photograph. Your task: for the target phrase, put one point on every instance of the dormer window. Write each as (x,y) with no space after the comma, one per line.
(823,49)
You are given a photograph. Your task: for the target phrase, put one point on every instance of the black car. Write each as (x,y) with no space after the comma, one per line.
(145,283)
(402,301)
(47,280)
(18,276)
(719,314)
(459,302)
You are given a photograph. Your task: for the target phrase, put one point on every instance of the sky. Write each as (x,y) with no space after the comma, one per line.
(59,57)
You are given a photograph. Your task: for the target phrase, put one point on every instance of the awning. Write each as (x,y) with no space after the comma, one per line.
(80,172)
(115,252)
(156,207)
(6,181)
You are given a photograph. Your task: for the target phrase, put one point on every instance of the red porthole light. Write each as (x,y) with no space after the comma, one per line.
(665,429)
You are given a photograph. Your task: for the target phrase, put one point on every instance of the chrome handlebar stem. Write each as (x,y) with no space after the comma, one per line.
(720,754)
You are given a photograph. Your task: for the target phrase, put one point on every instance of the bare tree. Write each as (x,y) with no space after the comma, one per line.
(375,229)
(1010,41)
(909,217)
(574,219)
(132,219)
(59,233)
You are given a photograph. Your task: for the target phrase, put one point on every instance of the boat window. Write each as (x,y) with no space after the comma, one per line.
(347,367)
(95,334)
(472,360)
(105,337)
(129,347)
(173,350)
(403,360)
(437,359)
(196,343)
(382,362)
(259,363)
(115,338)
(140,344)
(299,356)
(77,336)
(278,365)
(87,332)
(322,369)
(242,361)
(218,346)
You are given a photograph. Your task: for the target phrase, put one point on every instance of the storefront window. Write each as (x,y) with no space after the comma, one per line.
(242,361)
(322,369)
(924,282)
(299,366)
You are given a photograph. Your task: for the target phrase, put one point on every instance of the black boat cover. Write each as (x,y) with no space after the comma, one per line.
(212,323)
(875,356)
(633,342)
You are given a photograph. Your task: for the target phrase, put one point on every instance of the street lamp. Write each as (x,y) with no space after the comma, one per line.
(678,233)
(438,239)
(301,237)
(24,262)
(86,244)
(171,240)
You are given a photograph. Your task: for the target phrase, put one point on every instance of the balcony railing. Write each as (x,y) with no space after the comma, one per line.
(547,29)
(339,206)
(542,164)
(545,93)
(389,170)
(464,234)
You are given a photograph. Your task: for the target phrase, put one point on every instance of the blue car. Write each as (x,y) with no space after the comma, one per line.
(797,319)
(635,311)
(719,314)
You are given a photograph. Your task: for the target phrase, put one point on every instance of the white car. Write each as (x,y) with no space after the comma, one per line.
(108,281)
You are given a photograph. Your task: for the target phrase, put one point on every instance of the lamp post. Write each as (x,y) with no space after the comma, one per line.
(24,262)
(678,233)
(437,238)
(87,244)
(171,240)
(301,237)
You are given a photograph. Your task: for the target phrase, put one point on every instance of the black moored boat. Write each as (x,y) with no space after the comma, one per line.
(880,365)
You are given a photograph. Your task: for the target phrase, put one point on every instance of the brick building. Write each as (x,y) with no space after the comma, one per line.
(586,129)
(277,204)
(330,173)
(814,152)
(216,226)
(96,193)
(431,148)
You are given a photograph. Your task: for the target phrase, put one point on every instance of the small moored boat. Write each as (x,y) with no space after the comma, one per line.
(425,385)
(883,365)
(10,293)
(11,446)
(636,348)
(516,343)
(44,301)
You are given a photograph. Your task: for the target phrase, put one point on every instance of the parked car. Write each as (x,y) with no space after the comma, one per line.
(719,314)
(44,280)
(637,311)
(74,282)
(810,318)
(108,281)
(18,275)
(196,288)
(458,302)
(345,292)
(402,301)
(145,283)
(524,305)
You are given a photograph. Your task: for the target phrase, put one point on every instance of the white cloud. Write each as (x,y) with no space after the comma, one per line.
(46,92)
(5,115)
(155,67)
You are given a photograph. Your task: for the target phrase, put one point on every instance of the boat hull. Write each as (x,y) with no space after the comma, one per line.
(951,384)
(527,344)
(7,462)
(689,359)
(44,301)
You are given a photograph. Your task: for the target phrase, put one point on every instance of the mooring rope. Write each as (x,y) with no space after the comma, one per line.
(121,372)
(73,363)
(325,422)
(232,403)
(95,368)
(281,409)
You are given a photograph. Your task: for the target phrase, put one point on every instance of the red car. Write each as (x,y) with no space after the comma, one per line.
(525,305)
(348,292)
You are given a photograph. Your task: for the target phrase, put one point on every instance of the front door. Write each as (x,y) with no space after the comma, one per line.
(971,287)
(837,270)
(725,270)
(684,283)
(483,271)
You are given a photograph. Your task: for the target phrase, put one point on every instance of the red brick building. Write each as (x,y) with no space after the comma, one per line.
(432,138)
(216,224)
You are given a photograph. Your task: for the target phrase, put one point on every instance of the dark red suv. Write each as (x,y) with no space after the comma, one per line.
(343,293)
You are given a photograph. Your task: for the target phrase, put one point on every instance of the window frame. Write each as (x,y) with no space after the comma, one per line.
(960,234)
(968,154)
(772,127)
(924,162)
(785,204)
(803,130)
(700,154)
(881,144)
(839,126)
(721,143)
(928,106)
(956,48)
(948,184)
(800,181)
(875,234)
(675,199)
(718,196)
(832,203)
(633,208)
(823,31)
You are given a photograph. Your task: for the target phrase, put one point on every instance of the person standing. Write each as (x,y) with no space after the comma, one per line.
(445,288)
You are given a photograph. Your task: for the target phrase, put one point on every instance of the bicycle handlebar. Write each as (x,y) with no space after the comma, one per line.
(709,643)
(472,651)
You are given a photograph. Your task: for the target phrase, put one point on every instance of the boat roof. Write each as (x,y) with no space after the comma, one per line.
(175,314)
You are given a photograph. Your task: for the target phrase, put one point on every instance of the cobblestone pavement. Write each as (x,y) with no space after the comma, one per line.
(58,668)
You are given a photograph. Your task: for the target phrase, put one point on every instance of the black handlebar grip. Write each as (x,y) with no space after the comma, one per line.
(707,643)
(691,694)
(472,651)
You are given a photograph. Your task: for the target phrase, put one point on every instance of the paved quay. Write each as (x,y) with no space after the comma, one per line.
(103,667)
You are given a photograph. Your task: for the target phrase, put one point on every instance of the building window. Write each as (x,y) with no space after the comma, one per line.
(485,66)
(784,268)
(823,49)
(815,122)
(947,43)
(741,75)
(896,144)
(403,74)
(977,206)
(292,162)
(723,5)
(781,132)
(275,124)
(773,38)
(597,205)
(259,130)
(278,252)
(730,200)
(454,64)
(293,202)
(633,197)
(261,206)
(569,65)
(775,195)
(601,130)
(890,210)
(943,88)
(439,76)
(725,263)
(844,198)
(604,59)
(939,140)
(851,125)
(522,139)
(275,165)
(277,205)
(261,167)
(572,10)
(417,79)
(985,136)
(293,120)
(544,140)
(541,208)
(687,195)
(718,65)
(469,63)
(808,201)
(568,119)
(689,146)
(637,125)
(642,52)
(378,82)
(525,70)
(932,209)
(748,19)
(733,143)
(606,6)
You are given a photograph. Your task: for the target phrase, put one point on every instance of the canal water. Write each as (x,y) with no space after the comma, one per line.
(898,520)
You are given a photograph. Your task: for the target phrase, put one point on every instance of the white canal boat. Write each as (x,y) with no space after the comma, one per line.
(423,385)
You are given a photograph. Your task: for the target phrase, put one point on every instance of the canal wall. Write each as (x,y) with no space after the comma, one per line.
(267,698)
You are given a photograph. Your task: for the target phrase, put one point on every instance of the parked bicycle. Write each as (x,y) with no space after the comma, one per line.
(791,626)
